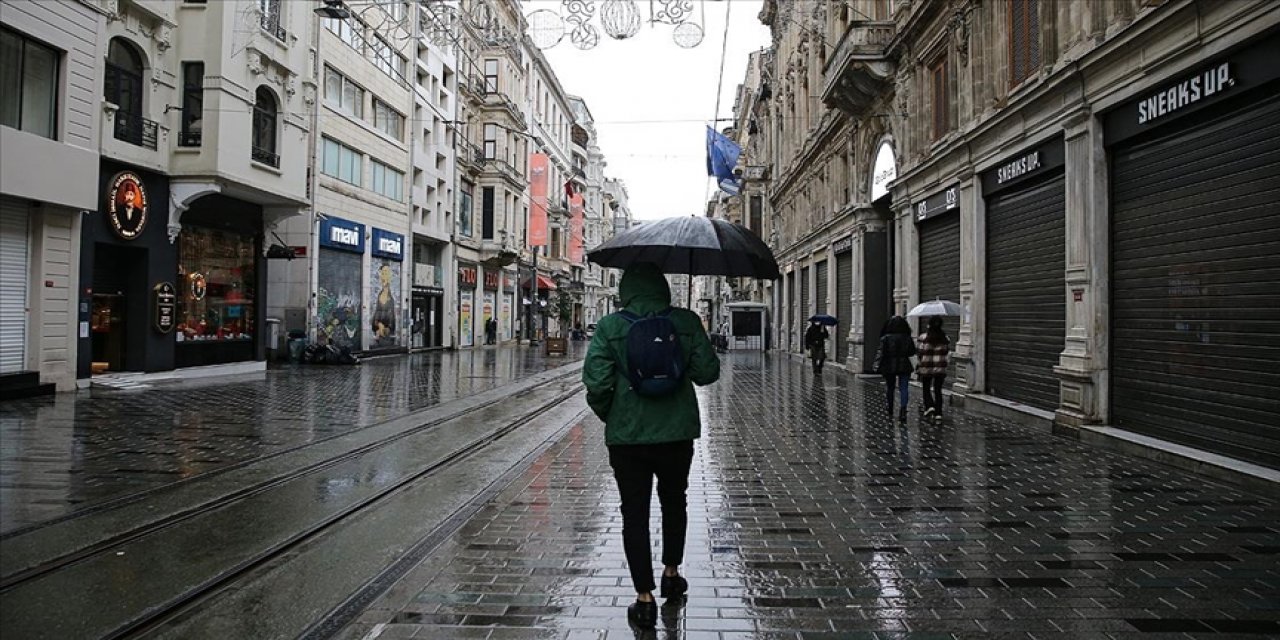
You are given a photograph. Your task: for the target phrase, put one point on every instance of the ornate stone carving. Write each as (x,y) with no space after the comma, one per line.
(959,25)
(902,91)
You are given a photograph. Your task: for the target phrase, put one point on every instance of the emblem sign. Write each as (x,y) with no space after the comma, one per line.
(166,298)
(198,286)
(127,205)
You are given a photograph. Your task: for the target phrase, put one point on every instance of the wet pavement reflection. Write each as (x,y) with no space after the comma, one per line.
(814,515)
(73,451)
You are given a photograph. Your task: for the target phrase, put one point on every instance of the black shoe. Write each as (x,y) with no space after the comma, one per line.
(673,587)
(643,614)
(902,414)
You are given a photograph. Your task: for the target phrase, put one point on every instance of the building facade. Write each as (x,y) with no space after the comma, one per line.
(1081,205)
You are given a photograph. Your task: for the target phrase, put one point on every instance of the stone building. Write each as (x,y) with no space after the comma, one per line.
(1088,180)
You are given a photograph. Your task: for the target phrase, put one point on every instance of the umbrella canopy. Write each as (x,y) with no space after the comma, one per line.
(823,318)
(694,245)
(934,308)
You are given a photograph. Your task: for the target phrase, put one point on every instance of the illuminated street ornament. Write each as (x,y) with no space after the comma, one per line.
(687,35)
(621,19)
(670,11)
(546,28)
(585,37)
(579,14)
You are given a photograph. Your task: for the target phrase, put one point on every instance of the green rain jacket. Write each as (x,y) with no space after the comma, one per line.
(630,418)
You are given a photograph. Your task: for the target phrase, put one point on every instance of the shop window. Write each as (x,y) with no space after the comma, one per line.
(217,272)
(192,104)
(940,97)
(388,120)
(28,85)
(265,118)
(1024,40)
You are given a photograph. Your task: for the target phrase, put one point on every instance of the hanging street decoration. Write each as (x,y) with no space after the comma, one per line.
(619,19)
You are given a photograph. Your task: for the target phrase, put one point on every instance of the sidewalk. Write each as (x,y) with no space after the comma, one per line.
(812,515)
(68,452)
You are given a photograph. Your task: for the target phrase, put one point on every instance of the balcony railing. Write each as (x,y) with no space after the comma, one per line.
(860,68)
(135,129)
(265,156)
(271,23)
(190,138)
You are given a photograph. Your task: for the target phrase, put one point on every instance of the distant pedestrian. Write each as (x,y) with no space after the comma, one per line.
(651,421)
(934,347)
(893,361)
(491,331)
(815,340)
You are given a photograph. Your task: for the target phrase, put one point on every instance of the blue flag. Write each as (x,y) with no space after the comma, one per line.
(722,156)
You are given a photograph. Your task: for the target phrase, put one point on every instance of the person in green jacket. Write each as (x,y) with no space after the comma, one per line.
(649,436)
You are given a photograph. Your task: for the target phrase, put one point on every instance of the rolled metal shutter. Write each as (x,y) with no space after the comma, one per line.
(14,247)
(844,303)
(1195,308)
(805,311)
(1026,293)
(820,290)
(939,264)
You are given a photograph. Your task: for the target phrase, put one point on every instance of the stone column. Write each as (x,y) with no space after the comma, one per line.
(871,295)
(973,277)
(906,260)
(1083,366)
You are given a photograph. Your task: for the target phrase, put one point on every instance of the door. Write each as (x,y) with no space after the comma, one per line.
(107,331)
(1026,293)
(14,272)
(939,267)
(805,309)
(844,304)
(1195,308)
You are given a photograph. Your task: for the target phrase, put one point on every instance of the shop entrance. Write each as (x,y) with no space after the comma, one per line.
(107,328)
(118,283)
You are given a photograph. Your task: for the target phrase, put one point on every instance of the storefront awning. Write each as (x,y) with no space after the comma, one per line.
(543,283)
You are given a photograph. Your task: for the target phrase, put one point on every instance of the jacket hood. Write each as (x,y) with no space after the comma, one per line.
(644,289)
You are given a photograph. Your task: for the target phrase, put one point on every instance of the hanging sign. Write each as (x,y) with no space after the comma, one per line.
(165,302)
(336,233)
(884,171)
(127,205)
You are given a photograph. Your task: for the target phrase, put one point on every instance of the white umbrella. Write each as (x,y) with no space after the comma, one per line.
(934,307)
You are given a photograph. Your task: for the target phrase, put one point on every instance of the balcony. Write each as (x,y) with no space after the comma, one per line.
(265,156)
(505,170)
(469,157)
(499,101)
(270,22)
(135,130)
(498,252)
(190,138)
(860,70)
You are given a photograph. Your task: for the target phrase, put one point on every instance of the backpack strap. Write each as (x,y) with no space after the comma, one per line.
(631,318)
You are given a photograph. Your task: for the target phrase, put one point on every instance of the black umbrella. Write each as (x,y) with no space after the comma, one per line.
(694,245)
(823,318)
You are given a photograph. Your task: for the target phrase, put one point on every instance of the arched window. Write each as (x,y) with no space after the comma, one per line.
(122,87)
(266,112)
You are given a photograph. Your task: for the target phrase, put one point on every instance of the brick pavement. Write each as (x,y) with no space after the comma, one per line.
(68,452)
(813,515)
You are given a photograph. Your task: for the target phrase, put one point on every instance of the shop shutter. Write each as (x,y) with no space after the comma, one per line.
(1195,308)
(805,311)
(844,304)
(13,285)
(1026,294)
(790,312)
(939,264)
(820,291)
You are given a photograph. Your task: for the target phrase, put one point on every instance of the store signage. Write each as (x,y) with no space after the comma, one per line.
(884,171)
(1185,93)
(843,244)
(127,205)
(198,286)
(165,302)
(1018,168)
(1028,165)
(387,244)
(491,280)
(946,200)
(346,235)
(467,277)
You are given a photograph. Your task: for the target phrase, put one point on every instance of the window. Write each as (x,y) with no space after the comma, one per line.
(394,8)
(486,213)
(387,59)
(343,94)
(122,87)
(387,181)
(28,85)
(388,120)
(192,104)
(265,112)
(271,18)
(464,212)
(218,277)
(1024,40)
(490,76)
(349,31)
(941,98)
(757,215)
(490,141)
(342,162)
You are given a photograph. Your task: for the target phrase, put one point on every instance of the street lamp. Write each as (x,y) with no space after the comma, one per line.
(333,9)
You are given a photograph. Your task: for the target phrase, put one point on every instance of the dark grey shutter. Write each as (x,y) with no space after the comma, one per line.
(844,303)
(939,263)
(805,311)
(1195,309)
(820,290)
(1026,293)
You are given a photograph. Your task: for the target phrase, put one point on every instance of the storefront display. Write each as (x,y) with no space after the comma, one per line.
(340,298)
(220,276)
(467,275)
(385,286)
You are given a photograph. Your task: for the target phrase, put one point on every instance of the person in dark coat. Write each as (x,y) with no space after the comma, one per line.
(815,340)
(893,361)
(934,346)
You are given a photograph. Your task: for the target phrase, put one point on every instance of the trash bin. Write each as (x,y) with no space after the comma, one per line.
(273,338)
(297,344)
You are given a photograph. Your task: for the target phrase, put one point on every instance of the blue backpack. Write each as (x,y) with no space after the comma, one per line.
(655,360)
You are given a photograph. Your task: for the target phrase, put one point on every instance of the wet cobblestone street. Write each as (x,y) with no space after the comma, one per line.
(69,452)
(814,515)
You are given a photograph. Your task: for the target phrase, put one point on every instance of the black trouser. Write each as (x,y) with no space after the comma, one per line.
(634,466)
(933,391)
(819,355)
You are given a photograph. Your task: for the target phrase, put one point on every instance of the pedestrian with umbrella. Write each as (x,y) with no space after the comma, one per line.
(640,370)
(934,347)
(815,340)
(893,361)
